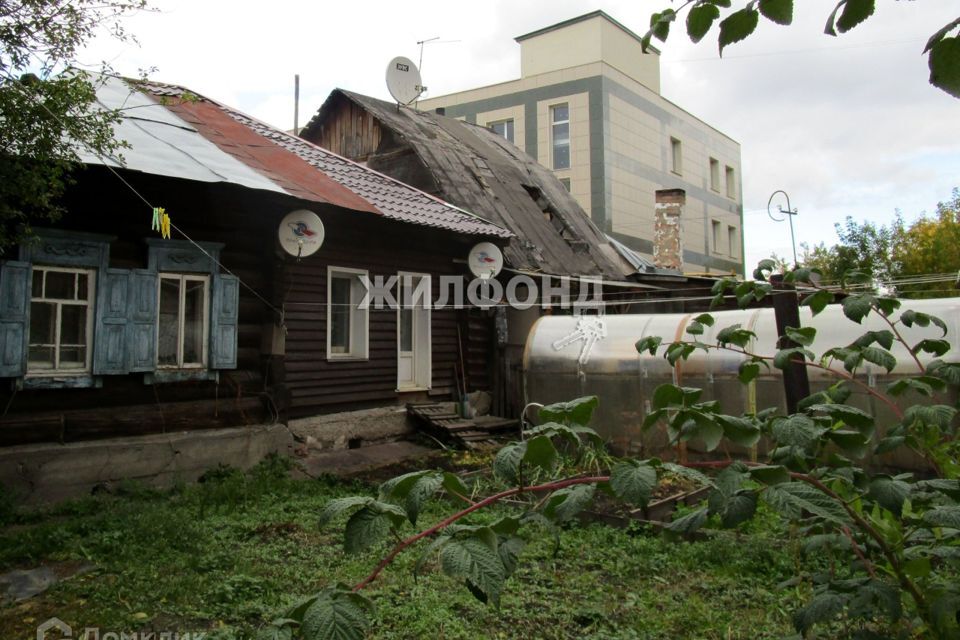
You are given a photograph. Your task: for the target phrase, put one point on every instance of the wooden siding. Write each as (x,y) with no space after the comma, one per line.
(314,384)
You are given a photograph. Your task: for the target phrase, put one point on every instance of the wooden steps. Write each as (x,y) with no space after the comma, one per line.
(440,420)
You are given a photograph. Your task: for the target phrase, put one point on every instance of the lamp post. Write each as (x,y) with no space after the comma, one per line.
(789,212)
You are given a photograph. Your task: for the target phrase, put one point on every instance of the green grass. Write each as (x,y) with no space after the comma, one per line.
(227,555)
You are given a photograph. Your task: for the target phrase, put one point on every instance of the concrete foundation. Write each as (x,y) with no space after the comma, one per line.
(352,429)
(48,472)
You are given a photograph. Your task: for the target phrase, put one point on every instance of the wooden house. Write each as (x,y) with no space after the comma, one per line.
(107,329)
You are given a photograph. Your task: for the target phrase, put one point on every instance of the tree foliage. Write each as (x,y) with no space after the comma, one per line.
(46,106)
(915,260)
(738,20)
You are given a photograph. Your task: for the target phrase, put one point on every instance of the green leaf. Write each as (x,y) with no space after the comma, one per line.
(947,371)
(506,464)
(509,551)
(739,508)
(695,329)
(911,317)
(452,483)
(633,481)
(879,357)
(748,371)
(920,384)
(686,472)
(854,12)
(846,414)
(785,357)
(884,338)
(699,20)
(708,430)
(941,34)
(566,503)
(540,452)
(766,265)
(649,344)
(779,11)
(398,488)
(740,431)
(935,415)
(857,306)
(652,418)
(276,632)
(660,24)
(876,597)
(887,305)
(735,27)
(335,507)
(421,491)
(705,319)
(579,410)
(770,474)
(821,608)
(803,336)
(365,528)
(792,499)
(477,560)
(429,552)
(796,430)
(688,524)
(889,493)
(337,615)
(667,395)
(817,301)
(936,347)
(943,517)
(853,443)
(735,335)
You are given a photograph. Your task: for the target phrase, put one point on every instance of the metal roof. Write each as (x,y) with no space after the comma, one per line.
(177,133)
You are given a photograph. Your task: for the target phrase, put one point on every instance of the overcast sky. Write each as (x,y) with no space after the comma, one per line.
(846,126)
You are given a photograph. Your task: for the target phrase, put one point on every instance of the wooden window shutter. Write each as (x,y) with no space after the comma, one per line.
(110,354)
(223,321)
(143,321)
(14,318)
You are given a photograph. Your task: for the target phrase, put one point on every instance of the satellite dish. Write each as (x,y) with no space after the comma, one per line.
(485,260)
(301,233)
(403,80)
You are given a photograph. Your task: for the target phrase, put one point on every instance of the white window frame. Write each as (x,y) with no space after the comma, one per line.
(553,144)
(182,278)
(676,156)
(426,350)
(359,318)
(90,304)
(507,124)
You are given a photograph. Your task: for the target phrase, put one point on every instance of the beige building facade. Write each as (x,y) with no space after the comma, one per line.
(588,106)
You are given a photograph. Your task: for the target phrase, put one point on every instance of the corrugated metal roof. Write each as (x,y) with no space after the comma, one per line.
(174,132)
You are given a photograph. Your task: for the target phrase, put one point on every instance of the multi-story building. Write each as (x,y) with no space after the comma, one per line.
(588,106)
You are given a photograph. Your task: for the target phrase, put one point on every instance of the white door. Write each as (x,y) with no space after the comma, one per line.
(413,332)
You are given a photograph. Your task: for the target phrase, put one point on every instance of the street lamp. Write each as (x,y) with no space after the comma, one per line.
(789,216)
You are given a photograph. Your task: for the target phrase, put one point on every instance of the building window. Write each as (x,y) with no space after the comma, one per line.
(714,175)
(560,135)
(503,128)
(731,183)
(61,320)
(347,325)
(733,239)
(183,321)
(716,227)
(566,183)
(676,156)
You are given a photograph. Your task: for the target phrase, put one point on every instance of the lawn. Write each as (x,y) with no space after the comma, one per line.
(229,554)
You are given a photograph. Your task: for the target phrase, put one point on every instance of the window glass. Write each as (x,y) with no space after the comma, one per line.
(193,331)
(181,337)
(714,174)
(169,322)
(340,307)
(504,128)
(560,135)
(731,183)
(676,154)
(734,240)
(716,236)
(60,317)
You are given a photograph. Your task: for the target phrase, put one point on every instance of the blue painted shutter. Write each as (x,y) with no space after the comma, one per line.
(223,322)
(110,356)
(143,321)
(14,318)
